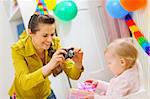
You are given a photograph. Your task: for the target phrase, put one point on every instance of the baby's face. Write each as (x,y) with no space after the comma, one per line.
(114,63)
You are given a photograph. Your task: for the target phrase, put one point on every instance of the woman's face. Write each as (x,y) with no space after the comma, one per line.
(42,39)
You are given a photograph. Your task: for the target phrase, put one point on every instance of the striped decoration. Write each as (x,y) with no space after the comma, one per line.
(136,33)
(41,8)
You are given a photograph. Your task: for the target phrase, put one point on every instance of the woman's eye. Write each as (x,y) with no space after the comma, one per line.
(45,35)
(52,34)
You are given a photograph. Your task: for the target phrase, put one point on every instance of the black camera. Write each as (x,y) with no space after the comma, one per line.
(70,53)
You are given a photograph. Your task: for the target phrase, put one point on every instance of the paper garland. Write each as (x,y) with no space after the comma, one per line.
(143,42)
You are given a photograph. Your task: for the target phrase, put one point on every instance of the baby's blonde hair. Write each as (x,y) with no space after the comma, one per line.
(125,49)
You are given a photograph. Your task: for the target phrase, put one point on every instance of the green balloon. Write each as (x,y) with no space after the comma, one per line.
(66,10)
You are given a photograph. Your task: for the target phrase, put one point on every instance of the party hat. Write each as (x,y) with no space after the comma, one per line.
(41,8)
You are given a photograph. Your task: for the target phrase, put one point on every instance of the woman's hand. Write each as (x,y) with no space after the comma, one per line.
(78,57)
(56,60)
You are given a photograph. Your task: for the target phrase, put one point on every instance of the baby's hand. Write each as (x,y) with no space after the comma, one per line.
(102,93)
(93,82)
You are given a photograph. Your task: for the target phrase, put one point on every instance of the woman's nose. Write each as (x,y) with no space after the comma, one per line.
(49,39)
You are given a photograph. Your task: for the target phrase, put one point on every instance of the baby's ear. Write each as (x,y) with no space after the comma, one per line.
(123,62)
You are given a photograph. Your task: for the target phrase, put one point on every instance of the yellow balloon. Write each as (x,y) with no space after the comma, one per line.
(50,4)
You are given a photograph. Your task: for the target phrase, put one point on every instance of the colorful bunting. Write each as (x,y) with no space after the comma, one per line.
(136,33)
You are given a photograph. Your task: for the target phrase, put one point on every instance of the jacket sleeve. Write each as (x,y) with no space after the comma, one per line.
(26,79)
(71,70)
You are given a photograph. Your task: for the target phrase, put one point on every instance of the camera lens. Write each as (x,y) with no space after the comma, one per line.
(70,53)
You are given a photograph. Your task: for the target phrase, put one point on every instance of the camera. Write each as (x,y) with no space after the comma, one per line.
(59,69)
(70,53)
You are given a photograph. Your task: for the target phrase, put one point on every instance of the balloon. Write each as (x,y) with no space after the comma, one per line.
(50,4)
(132,5)
(114,9)
(66,10)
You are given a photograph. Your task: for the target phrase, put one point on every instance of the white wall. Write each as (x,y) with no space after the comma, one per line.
(6,67)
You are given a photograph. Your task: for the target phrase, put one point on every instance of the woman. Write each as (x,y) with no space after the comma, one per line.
(33,63)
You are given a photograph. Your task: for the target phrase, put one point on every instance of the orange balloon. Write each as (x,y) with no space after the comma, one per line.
(132,5)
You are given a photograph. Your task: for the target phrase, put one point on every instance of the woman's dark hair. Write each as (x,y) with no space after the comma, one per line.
(36,19)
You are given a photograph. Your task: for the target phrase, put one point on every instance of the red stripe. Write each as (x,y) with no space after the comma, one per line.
(130,22)
(39,3)
(138,34)
(44,9)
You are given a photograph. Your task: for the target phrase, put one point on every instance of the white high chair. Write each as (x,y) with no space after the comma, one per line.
(141,94)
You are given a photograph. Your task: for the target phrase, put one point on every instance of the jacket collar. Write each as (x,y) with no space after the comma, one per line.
(29,48)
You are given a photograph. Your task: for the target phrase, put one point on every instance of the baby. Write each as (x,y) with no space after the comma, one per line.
(121,58)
